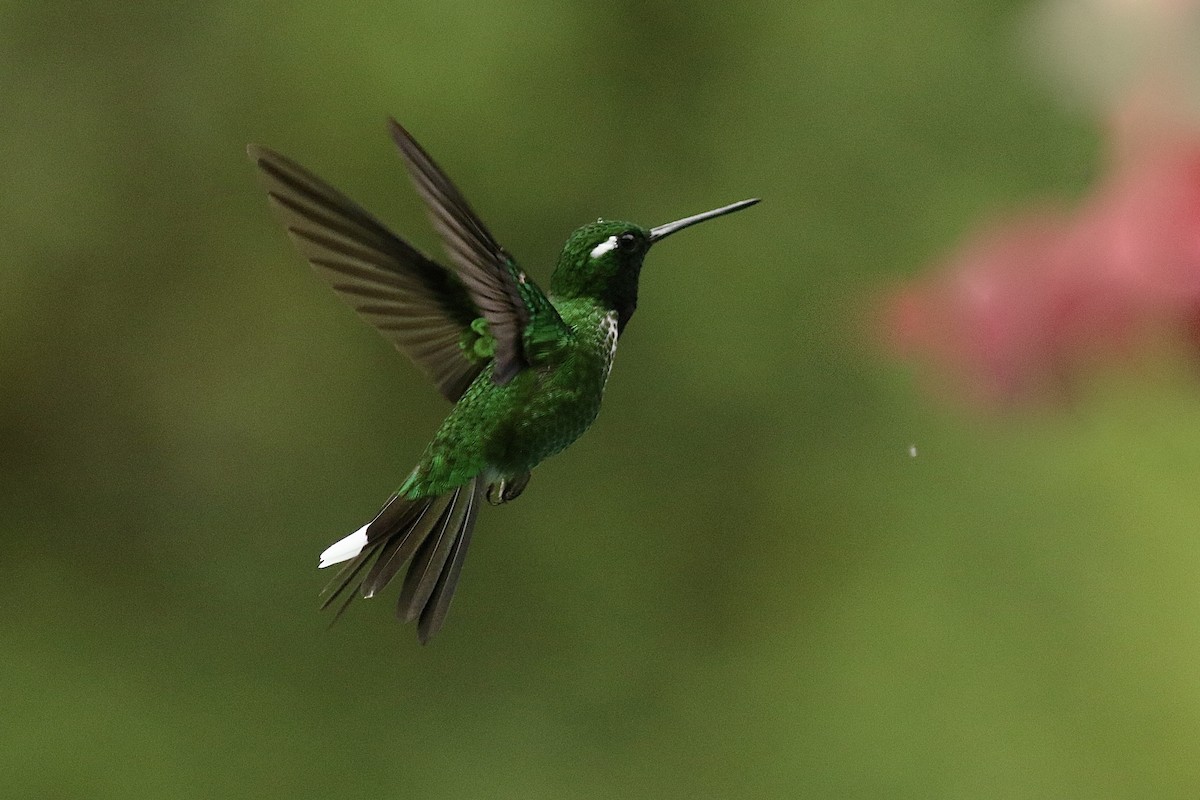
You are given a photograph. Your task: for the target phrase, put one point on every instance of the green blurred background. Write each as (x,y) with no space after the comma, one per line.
(738,584)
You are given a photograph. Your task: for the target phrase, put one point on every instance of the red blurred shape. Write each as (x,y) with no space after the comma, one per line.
(1028,302)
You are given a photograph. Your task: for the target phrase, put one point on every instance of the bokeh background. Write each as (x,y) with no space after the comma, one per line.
(778,566)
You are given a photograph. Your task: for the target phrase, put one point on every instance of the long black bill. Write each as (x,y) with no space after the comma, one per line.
(663,231)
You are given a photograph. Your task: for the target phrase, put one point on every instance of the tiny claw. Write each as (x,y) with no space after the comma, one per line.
(507,489)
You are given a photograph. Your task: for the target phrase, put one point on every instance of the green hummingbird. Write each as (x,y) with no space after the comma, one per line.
(524,369)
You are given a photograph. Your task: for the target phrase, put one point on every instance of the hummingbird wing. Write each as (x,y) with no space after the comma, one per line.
(415,302)
(512,304)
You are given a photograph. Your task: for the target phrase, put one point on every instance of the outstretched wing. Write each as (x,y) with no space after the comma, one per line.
(509,300)
(413,301)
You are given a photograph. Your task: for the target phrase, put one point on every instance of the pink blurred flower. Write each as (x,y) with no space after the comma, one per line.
(1027,302)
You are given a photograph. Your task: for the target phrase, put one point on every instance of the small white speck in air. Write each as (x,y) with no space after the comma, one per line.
(912,451)
(344,549)
(605,246)
(521,278)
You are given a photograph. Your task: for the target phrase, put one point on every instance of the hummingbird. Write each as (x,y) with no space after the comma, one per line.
(525,369)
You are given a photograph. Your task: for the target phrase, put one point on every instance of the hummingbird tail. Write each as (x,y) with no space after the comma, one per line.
(432,533)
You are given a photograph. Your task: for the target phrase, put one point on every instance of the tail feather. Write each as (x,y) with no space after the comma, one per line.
(434,614)
(431,558)
(397,549)
(342,579)
(432,533)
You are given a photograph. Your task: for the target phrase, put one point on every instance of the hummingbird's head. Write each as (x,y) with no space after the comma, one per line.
(603,260)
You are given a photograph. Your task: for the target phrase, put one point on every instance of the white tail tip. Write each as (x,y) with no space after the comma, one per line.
(344,549)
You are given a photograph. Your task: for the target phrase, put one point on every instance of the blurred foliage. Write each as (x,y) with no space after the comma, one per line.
(738,584)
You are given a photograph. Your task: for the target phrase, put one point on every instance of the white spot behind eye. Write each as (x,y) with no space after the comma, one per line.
(607,245)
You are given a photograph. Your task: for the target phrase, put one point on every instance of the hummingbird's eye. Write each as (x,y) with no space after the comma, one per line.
(627,242)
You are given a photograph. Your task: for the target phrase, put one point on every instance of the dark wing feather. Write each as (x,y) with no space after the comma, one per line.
(495,283)
(413,301)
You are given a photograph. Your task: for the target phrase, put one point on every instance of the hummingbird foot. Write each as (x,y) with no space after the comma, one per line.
(506,489)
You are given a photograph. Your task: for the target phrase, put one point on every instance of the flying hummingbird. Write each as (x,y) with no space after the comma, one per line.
(524,369)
